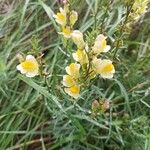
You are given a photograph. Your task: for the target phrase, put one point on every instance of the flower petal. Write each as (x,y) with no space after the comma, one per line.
(68,81)
(31,74)
(73,17)
(66,32)
(60,17)
(107,48)
(80,56)
(100,45)
(30,57)
(73,70)
(103,67)
(73,91)
(107,76)
(20,68)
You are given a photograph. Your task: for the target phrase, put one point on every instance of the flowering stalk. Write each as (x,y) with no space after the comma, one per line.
(66,18)
(129,8)
(87,62)
(135,8)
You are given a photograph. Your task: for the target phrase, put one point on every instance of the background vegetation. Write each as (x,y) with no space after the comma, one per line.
(36,114)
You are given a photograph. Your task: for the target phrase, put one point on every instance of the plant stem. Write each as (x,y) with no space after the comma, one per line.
(129,8)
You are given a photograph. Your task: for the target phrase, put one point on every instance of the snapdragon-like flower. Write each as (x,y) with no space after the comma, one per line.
(61,17)
(80,56)
(70,81)
(73,70)
(77,38)
(66,32)
(29,67)
(100,45)
(103,67)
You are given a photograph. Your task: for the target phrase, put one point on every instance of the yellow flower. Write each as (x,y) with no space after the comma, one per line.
(60,17)
(80,56)
(77,38)
(103,67)
(73,70)
(29,67)
(66,32)
(100,45)
(73,17)
(70,81)
(71,87)
(73,91)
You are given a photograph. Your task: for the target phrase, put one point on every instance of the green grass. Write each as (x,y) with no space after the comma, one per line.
(37,114)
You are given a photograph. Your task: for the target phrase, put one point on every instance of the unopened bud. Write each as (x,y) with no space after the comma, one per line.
(105,105)
(73,17)
(95,105)
(77,38)
(20,57)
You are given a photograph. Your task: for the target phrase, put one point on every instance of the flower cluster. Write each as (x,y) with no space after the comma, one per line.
(66,19)
(87,59)
(88,62)
(139,8)
(70,81)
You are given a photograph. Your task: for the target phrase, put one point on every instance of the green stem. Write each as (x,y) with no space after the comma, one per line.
(129,8)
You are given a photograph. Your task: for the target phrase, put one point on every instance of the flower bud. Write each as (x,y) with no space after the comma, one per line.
(95,106)
(105,105)
(73,17)
(20,57)
(77,38)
